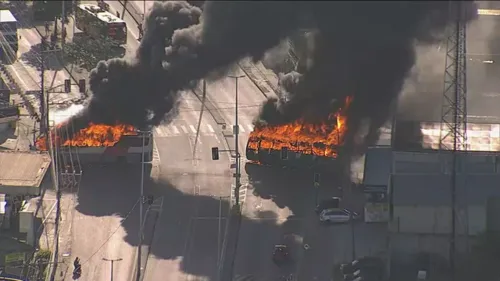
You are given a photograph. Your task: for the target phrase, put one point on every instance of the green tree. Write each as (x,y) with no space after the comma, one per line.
(87,52)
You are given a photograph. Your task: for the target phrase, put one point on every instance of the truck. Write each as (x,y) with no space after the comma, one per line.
(8,36)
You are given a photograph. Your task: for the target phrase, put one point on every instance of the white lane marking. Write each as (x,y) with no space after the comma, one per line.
(210,128)
(250,127)
(166,131)
(193,129)
(184,129)
(174,128)
(241,128)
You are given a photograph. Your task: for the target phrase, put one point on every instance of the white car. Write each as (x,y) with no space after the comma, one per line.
(337,216)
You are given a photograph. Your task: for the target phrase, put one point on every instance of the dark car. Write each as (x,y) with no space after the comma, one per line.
(331,203)
(281,254)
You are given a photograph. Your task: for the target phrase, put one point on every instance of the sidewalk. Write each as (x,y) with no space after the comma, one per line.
(23,76)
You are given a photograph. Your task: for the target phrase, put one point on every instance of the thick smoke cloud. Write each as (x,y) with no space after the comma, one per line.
(361,49)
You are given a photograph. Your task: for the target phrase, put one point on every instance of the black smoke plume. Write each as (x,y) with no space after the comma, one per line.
(362,49)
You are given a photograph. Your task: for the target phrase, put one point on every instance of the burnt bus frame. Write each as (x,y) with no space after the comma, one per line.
(297,159)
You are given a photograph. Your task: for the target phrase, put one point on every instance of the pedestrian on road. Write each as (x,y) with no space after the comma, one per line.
(47,29)
(139,26)
(76,263)
(117,14)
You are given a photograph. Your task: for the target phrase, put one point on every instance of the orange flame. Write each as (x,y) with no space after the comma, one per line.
(95,135)
(321,139)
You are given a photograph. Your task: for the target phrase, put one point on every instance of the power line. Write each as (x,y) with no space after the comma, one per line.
(118,227)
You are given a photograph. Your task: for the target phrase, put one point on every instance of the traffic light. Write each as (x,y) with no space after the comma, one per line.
(81,86)
(317,178)
(215,153)
(67,85)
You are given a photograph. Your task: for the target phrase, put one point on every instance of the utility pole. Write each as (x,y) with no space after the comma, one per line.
(141,203)
(63,30)
(43,126)
(201,115)
(236,132)
(454,115)
(112,264)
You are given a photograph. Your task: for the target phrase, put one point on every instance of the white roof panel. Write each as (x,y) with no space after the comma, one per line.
(7,16)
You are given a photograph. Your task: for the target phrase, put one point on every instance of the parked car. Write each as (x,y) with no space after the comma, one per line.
(331,203)
(337,216)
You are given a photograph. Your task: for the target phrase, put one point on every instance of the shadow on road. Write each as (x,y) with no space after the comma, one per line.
(189,223)
(285,186)
(33,58)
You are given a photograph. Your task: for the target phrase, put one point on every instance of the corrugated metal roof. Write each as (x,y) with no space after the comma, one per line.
(378,162)
(23,169)
(435,162)
(434,190)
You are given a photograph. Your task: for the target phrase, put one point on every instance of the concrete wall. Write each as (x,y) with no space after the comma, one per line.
(493,214)
(437,220)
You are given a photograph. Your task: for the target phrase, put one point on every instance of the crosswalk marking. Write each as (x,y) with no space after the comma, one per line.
(178,128)
(176,131)
(158,131)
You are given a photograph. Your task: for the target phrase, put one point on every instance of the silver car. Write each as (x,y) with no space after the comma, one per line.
(337,216)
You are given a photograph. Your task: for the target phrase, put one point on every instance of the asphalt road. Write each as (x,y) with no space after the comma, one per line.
(278,207)
(102,225)
(186,244)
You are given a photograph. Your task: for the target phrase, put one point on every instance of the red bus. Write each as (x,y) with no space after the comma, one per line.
(98,23)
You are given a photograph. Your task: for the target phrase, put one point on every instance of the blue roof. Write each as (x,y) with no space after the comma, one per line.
(378,165)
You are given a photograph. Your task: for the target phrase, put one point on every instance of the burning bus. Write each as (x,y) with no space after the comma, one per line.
(102,143)
(299,144)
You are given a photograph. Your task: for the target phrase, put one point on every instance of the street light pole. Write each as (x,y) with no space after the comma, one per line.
(236,132)
(112,264)
(139,247)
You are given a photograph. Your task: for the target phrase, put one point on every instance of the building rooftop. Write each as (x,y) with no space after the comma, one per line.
(22,172)
(7,16)
(434,190)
